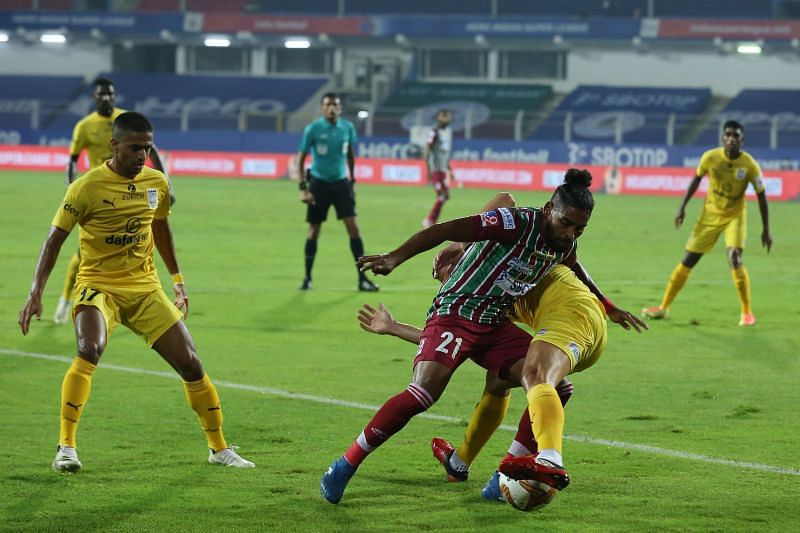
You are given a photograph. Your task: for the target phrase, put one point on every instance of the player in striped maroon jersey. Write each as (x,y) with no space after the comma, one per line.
(513,249)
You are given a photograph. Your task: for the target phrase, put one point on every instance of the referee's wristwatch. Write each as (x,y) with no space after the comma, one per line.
(303,185)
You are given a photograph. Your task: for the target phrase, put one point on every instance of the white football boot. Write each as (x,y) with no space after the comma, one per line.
(229,457)
(67,460)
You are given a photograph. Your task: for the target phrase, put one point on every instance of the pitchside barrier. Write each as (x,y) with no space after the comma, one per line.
(654,181)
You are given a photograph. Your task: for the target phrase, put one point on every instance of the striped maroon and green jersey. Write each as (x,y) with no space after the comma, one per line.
(507,260)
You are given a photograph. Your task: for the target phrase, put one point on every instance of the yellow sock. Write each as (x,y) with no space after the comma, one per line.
(75,391)
(202,397)
(676,281)
(547,416)
(72,273)
(742,281)
(486,418)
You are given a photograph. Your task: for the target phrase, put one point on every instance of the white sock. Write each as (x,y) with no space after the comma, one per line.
(552,455)
(517,450)
(457,464)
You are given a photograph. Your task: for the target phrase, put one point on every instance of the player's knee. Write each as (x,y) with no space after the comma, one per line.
(191,369)
(90,350)
(735,257)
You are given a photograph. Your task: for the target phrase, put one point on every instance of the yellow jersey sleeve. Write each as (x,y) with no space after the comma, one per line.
(72,209)
(78,139)
(163,209)
(754,176)
(705,163)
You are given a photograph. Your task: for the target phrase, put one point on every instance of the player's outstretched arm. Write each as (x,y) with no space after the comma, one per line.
(763,208)
(458,230)
(620,316)
(162,235)
(382,322)
(44,266)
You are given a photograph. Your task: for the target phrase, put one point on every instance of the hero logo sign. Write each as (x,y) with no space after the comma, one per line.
(489,218)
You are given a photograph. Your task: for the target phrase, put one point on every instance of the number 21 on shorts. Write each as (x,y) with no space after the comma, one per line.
(448,339)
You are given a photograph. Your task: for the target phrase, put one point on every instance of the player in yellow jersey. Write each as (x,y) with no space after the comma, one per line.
(93,134)
(730,170)
(122,208)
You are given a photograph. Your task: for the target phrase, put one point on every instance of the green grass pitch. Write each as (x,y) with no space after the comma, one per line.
(687,405)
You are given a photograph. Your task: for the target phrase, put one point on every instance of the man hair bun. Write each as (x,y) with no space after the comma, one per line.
(578,178)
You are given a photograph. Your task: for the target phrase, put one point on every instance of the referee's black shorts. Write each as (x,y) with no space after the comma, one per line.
(339,193)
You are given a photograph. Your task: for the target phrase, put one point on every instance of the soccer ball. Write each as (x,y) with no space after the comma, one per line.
(526,495)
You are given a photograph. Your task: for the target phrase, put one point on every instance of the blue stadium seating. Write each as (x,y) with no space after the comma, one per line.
(212,102)
(21,95)
(644,113)
(756,109)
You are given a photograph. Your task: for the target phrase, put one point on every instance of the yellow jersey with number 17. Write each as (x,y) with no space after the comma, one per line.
(115,215)
(728,180)
(93,132)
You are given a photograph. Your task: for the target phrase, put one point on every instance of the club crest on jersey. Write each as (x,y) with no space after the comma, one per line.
(152,198)
(741,174)
(576,351)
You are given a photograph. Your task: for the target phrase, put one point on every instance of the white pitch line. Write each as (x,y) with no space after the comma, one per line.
(356,405)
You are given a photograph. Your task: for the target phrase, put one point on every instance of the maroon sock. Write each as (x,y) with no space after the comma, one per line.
(390,418)
(433,216)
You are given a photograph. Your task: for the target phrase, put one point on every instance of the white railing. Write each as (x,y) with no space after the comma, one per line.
(605,126)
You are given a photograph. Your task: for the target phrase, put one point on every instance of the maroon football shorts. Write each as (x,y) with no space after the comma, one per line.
(451,340)
(439,179)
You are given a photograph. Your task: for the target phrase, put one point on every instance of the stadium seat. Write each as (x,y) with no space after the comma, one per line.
(156,6)
(227,6)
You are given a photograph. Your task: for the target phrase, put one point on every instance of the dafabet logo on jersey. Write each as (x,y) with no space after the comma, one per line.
(124,240)
(71,210)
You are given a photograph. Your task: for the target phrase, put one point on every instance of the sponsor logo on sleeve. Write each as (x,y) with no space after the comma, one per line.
(489,218)
(508,218)
(71,210)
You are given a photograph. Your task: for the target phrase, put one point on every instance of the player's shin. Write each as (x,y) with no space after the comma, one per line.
(203,399)
(390,418)
(547,418)
(75,391)
(486,418)
(741,279)
(676,282)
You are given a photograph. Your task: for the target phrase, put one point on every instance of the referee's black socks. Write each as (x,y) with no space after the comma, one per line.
(311,253)
(357,247)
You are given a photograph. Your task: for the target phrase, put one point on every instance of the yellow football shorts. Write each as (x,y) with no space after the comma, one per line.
(578,328)
(708,228)
(149,314)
